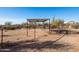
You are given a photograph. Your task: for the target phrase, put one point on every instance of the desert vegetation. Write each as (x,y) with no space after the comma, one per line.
(55,23)
(15,36)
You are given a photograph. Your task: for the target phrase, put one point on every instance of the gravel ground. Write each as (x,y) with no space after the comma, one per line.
(17,41)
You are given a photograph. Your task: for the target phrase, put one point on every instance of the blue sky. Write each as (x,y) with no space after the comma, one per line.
(20,14)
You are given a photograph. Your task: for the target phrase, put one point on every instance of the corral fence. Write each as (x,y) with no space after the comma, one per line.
(21,34)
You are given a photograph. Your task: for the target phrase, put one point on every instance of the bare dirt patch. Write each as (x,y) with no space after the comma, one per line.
(17,40)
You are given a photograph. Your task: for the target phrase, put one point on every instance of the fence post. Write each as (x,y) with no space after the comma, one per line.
(49,25)
(2,38)
(27,27)
(34,30)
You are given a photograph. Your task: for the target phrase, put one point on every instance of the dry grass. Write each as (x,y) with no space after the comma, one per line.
(17,40)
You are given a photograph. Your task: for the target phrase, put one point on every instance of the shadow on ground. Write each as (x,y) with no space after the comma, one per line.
(32,44)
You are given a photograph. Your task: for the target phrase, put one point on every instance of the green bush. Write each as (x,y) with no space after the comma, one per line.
(57,23)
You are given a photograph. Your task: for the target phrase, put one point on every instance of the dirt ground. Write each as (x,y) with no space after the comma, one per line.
(18,41)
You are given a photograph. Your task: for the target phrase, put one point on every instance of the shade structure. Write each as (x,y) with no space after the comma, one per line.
(34,21)
(37,20)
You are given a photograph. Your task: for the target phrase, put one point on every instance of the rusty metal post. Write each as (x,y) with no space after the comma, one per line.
(49,25)
(27,27)
(43,25)
(35,31)
(2,38)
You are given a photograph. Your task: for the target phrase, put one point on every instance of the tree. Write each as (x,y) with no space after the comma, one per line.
(57,23)
(8,23)
(73,24)
(8,26)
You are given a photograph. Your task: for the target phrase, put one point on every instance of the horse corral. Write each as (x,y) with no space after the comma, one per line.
(38,39)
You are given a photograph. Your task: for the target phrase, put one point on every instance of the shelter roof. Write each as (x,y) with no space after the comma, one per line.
(37,20)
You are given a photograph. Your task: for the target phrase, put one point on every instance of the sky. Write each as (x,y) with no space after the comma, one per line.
(20,14)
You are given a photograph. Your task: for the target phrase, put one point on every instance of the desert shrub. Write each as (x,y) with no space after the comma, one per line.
(73,24)
(57,23)
(10,26)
